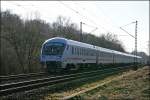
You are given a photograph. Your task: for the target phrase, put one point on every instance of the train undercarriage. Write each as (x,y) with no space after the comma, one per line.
(56,67)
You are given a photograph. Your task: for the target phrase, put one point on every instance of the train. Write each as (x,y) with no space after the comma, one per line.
(60,53)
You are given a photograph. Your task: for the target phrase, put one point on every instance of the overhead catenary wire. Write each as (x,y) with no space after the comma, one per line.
(17,5)
(89,12)
(95,28)
(127,32)
(22,6)
(128,24)
(112,25)
(77,12)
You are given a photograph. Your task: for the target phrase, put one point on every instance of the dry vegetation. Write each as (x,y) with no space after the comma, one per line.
(134,86)
(131,85)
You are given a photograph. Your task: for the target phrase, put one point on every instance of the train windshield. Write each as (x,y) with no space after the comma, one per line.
(53,48)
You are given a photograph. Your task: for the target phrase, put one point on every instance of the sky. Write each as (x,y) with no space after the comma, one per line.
(106,16)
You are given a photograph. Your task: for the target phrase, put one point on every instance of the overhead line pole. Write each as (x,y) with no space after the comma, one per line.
(135,42)
(81,31)
(135,53)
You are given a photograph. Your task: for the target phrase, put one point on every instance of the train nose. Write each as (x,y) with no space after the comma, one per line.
(43,56)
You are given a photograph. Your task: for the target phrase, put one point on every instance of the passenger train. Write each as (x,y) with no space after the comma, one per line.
(61,53)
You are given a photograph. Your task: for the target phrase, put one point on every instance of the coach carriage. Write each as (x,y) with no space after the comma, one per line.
(62,53)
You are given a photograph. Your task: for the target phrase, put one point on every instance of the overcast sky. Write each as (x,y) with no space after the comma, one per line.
(107,16)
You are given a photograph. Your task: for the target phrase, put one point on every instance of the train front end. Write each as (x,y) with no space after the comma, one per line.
(52,54)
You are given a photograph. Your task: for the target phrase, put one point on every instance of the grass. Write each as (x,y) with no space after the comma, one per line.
(60,90)
(133,87)
(109,91)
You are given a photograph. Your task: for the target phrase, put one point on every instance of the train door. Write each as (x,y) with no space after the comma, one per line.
(97,55)
(113,58)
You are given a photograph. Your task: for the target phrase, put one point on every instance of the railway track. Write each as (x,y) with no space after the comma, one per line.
(77,95)
(7,89)
(14,77)
(88,89)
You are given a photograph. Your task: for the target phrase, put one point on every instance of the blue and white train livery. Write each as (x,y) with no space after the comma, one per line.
(62,53)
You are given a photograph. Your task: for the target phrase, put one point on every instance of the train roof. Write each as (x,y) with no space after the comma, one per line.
(85,45)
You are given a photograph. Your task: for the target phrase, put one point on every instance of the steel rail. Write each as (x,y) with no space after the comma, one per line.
(81,92)
(11,77)
(70,97)
(7,89)
(38,85)
(10,85)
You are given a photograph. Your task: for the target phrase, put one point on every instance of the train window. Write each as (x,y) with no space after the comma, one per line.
(81,51)
(72,50)
(53,48)
(107,55)
(67,47)
(77,51)
(103,54)
(93,54)
(86,52)
(90,53)
(97,53)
